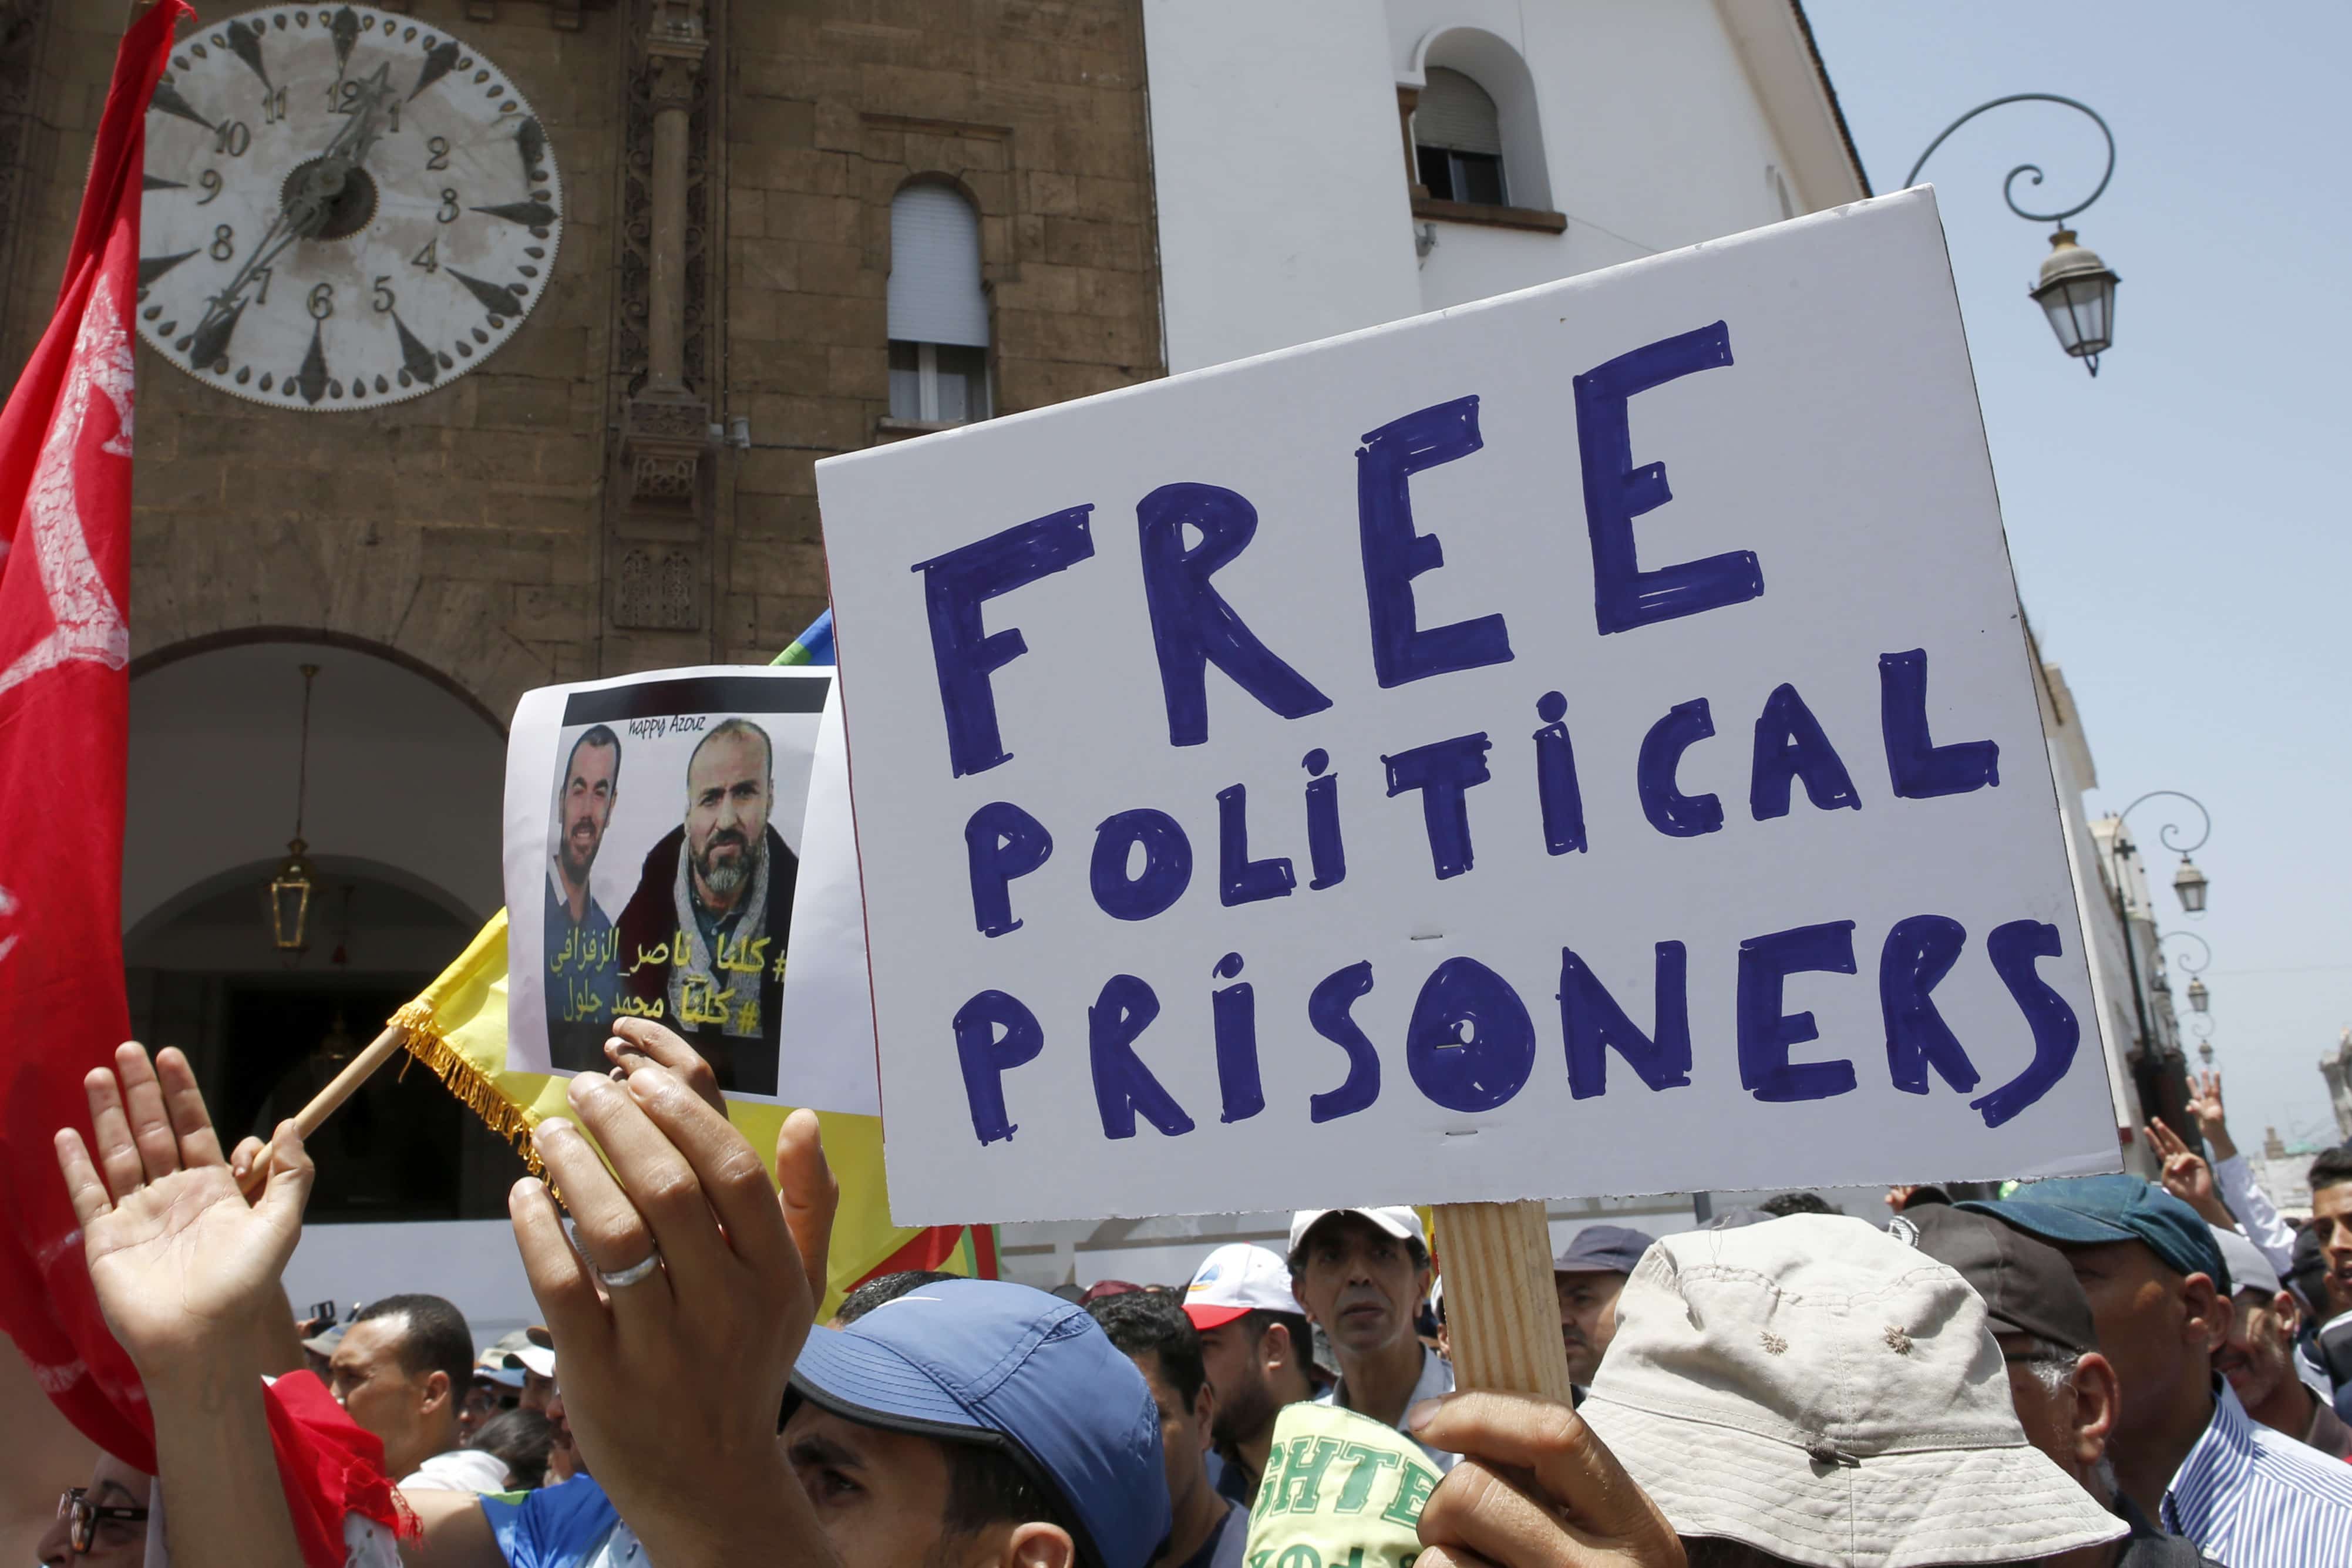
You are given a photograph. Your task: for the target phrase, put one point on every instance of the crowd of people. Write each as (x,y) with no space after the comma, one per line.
(2098,1370)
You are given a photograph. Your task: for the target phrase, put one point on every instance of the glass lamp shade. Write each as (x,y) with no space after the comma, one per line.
(2205,1052)
(2200,999)
(289,898)
(2077,292)
(2189,884)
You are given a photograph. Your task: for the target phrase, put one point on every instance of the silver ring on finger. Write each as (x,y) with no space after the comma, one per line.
(622,1279)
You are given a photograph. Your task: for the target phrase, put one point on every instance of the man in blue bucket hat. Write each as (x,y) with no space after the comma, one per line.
(2185,1450)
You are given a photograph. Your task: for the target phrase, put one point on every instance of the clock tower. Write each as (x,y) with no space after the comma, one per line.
(489,343)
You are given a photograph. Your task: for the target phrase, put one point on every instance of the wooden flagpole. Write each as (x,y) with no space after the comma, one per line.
(325,1103)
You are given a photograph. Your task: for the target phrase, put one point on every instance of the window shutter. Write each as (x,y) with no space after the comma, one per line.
(1456,114)
(935,295)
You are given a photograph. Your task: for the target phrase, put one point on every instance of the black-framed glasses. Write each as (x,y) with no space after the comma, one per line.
(83,1517)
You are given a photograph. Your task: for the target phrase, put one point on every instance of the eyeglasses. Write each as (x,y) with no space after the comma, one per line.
(83,1517)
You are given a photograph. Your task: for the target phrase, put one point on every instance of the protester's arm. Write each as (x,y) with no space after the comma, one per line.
(455,1534)
(1535,1489)
(186,1272)
(683,1441)
(2235,1180)
(2186,1177)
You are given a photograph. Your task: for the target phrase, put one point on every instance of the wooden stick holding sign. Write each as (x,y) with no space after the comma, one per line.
(1501,1315)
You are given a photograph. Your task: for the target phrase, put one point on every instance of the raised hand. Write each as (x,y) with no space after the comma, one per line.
(2205,1104)
(1535,1489)
(184,1266)
(677,1330)
(2186,1177)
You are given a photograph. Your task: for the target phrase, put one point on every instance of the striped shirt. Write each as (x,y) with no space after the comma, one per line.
(2253,1498)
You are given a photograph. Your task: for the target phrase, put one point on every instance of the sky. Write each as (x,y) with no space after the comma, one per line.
(2179,525)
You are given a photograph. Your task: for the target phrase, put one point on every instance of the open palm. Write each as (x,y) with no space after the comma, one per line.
(179,1259)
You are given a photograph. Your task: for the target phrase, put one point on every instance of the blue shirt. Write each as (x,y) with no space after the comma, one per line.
(572,1525)
(2253,1498)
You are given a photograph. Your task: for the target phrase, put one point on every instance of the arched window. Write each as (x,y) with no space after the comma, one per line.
(939,317)
(1458,141)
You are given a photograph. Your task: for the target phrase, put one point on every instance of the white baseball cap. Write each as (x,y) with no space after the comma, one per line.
(1401,1223)
(1238,1278)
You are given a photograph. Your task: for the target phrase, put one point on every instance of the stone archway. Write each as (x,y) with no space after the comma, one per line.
(405,780)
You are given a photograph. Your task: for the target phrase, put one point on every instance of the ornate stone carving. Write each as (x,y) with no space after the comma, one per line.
(657,590)
(662,436)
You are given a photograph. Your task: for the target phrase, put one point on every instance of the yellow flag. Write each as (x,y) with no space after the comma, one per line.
(457,1027)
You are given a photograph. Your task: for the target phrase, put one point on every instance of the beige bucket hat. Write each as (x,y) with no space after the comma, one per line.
(1816,1389)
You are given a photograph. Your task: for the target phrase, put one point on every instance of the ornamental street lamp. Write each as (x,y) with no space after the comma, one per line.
(2189,885)
(2075,289)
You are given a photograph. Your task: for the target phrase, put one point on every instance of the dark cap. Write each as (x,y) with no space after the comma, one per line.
(2028,1288)
(2092,1211)
(1603,1249)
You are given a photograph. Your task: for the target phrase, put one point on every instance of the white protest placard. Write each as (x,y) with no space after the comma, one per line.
(655,830)
(1577,743)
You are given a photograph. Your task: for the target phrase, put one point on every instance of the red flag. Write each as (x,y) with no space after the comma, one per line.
(65,581)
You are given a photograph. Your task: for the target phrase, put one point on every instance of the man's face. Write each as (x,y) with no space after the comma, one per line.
(1360,1284)
(1231,1354)
(2258,1357)
(398,1407)
(727,801)
(2331,1214)
(587,806)
(483,1400)
(2137,1308)
(2047,1415)
(538,1392)
(114,1543)
(563,1460)
(881,1497)
(1184,1430)
(1588,1318)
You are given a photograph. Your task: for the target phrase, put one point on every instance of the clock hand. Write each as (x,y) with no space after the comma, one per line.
(304,212)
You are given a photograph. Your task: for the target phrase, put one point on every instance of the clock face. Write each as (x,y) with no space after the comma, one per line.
(344,208)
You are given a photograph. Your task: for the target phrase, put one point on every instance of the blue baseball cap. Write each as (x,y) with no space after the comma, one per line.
(2092,1211)
(985,1361)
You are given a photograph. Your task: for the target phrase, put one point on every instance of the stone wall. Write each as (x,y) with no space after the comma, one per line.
(474,529)
(1035,109)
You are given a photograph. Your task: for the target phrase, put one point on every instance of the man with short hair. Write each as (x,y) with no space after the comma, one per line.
(1587,1277)
(1257,1348)
(578,980)
(2259,1358)
(1152,1330)
(2064,1390)
(716,895)
(2331,1218)
(1363,1275)
(1813,1391)
(400,1370)
(2185,1450)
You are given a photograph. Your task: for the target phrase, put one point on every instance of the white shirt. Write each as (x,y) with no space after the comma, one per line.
(2256,1216)
(458,1471)
(1436,1378)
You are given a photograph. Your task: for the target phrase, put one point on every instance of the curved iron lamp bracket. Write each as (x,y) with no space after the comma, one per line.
(2165,834)
(2009,185)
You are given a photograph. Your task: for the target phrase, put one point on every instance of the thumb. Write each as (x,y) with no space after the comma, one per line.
(810,1196)
(292,1175)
